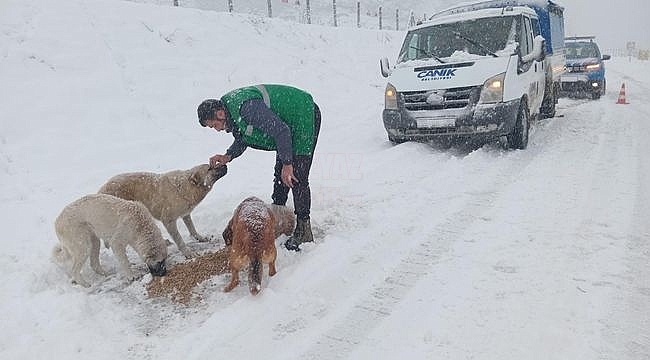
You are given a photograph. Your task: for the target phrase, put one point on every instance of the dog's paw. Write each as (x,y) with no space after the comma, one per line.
(189,254)
(100,270)
(103,273)
(200,238)
(129,276)
(81,282)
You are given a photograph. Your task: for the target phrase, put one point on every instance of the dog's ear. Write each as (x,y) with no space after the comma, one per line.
(227,234)
(196,178)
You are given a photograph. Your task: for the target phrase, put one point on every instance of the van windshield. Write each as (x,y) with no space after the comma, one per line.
(475,37)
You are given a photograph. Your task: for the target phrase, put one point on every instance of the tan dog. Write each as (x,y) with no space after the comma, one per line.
(168,196)
(251,234)
(119,223)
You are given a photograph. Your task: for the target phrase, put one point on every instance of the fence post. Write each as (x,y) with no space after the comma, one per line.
(230,7)
(334,11)
(380,22)
(308,13)
(397,19)
(269,5)
(358,14)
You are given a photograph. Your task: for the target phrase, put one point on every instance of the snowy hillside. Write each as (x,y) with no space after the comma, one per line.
(426,253)
(321,10)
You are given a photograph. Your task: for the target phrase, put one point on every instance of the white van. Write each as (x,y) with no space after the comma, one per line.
(476,71)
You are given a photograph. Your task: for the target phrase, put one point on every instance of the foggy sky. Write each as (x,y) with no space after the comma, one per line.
(614,23)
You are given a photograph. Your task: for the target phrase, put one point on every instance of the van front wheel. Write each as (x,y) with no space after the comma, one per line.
(396,140)
(518,138)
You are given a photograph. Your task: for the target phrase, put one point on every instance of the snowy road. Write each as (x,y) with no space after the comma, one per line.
(425,253)
(489,252)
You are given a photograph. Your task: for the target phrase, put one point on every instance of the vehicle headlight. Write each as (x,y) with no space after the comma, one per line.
(492,91)
(391,97)
(593,67)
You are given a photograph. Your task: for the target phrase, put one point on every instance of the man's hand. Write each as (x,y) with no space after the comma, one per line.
(218,160)
(288,178)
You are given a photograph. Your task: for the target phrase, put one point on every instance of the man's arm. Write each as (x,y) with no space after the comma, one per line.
(258,115)
(237,148)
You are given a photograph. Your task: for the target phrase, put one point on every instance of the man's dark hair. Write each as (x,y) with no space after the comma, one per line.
(207,110)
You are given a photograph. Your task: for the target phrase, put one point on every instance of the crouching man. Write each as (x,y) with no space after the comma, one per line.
(277,118)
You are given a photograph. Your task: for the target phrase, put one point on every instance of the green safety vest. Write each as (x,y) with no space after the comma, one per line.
(293,106)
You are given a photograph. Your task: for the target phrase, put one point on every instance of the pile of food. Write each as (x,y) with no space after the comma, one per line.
(181,279)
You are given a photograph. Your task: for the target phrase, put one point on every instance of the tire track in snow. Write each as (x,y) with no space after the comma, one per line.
(623,162)
(377,304)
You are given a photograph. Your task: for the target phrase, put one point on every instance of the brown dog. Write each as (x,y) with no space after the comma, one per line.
(251,234)
(168,196)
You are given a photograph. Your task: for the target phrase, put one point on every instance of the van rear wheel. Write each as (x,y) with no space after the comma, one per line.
(518,138)
(548,104)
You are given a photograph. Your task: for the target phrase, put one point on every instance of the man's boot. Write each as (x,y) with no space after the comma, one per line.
(301,234)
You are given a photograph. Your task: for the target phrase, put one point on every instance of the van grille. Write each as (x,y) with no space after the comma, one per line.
(455,98)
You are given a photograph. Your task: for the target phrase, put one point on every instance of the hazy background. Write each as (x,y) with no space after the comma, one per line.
(613,23)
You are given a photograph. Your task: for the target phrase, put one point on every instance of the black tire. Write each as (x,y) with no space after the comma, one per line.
(396,140)
(548,105)
(595,95)
(518,139)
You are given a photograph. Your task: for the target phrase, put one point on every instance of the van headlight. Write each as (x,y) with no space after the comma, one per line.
(391,97)
(492,91)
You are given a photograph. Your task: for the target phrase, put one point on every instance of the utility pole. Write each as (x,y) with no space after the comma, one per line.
(358,14)
(397,19)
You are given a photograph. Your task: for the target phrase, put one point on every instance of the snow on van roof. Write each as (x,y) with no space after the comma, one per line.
(484,4)
(476,14)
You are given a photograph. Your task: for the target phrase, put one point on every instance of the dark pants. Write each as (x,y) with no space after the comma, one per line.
(301,168)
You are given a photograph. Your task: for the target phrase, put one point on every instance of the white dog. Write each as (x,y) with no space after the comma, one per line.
(168,196)
(119,223)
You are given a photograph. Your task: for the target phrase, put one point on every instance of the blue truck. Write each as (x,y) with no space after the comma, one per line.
(477,70)
(585,68)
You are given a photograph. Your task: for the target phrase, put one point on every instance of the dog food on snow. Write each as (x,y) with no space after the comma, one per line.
(180,280)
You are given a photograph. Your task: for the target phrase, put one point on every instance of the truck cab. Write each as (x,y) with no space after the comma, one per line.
(474,71)
(585,68)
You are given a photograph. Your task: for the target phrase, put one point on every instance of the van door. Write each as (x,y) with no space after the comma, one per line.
(531,73)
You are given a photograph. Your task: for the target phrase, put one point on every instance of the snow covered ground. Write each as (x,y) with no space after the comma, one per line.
(427,253)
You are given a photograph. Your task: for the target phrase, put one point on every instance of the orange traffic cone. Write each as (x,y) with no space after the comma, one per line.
(621,96)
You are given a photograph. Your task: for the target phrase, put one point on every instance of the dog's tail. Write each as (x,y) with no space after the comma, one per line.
(60,254)
(255,278)
(255,269)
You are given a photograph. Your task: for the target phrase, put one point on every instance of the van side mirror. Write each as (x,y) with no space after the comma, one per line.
(538,52)
(607,57)
(385,67)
